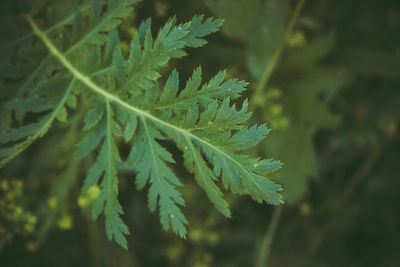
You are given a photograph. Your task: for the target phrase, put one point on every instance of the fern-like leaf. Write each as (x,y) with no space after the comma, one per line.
(100,121)
(127,102)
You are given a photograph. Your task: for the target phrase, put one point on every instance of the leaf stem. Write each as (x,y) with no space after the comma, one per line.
(266,244)
(271,64)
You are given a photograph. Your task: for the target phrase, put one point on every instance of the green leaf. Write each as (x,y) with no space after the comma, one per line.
(123,99)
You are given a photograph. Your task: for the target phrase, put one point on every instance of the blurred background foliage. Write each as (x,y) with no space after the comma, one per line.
(324,75)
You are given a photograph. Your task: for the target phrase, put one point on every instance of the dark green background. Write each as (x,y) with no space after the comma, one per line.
(340,91)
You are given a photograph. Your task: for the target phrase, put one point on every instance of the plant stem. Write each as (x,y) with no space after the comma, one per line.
(95,241)
(271,64)
(266,244)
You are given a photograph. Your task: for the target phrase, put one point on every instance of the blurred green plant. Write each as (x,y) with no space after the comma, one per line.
(14,219)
